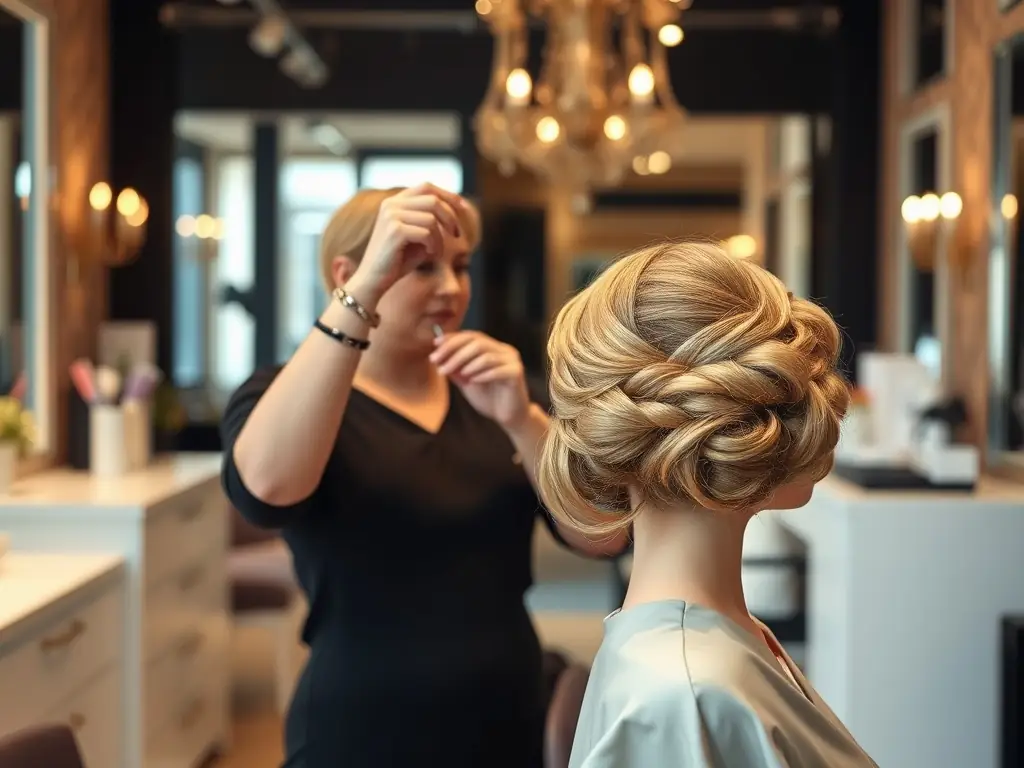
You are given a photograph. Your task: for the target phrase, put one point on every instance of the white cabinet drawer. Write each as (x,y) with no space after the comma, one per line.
(96,715)
(182,528)
(196,714)
(60,659)
(177,606)
(197,662)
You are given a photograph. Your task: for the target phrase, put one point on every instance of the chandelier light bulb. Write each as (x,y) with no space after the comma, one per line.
(615,127)
(128,202)
(670,35)
(518,86)
(641,82)
(484,7)
(640,166)
(659,162)
(548,129)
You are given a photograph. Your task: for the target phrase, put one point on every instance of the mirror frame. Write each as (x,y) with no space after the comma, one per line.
(1000,299)
(39,49)
(940,120)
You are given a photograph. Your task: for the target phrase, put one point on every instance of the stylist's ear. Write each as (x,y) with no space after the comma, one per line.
(342,269)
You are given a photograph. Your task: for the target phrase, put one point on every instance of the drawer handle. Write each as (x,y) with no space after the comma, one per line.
(189,514)
(190,646)
(192,714)
(191,577)
(64,639)
(77,721)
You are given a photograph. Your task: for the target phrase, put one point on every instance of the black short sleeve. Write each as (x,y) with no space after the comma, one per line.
(255,510)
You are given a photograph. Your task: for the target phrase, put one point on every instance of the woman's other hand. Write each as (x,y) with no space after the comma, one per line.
(489,373)
(407,230)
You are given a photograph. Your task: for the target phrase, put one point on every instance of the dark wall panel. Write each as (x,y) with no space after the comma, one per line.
(715,71)
(144,100)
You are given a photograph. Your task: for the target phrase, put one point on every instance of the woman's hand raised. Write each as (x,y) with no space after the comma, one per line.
(409,228)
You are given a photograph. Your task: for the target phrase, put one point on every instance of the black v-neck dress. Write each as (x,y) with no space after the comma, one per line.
(415,553)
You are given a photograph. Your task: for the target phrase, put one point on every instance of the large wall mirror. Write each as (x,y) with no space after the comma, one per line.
(26,350)
(1006,276)
(923,271)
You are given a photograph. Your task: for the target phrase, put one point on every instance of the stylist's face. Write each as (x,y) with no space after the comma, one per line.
(436,292)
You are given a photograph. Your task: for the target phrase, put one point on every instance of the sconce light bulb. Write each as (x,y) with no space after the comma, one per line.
(950,205)
(1009,206)
(185,226)
(483,7)
(204,226)
(659,162)
(640,166)
(930,207)
(218,229)
(100,196)
(741,246)
(128,202)
(139,216)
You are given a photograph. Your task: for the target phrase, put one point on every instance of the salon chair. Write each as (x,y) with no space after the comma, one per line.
(265,594)
(45,746)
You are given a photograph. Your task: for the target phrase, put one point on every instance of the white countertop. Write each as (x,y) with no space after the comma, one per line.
(31,582)
(165,477)
(988,490)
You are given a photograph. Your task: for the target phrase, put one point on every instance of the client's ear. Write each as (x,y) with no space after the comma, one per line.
(342,269)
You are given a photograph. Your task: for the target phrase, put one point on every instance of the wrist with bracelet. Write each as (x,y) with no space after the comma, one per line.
(351,303)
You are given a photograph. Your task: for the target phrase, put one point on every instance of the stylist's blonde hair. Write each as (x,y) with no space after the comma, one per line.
(348,232)
(692,376)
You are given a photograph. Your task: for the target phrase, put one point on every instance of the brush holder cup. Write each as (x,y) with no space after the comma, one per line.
(137,433)
(108,450)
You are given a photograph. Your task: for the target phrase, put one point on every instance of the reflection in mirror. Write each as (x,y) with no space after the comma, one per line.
(25,362)
(1006,278)
(15,173)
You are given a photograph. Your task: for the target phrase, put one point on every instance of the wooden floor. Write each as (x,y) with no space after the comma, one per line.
(256,742)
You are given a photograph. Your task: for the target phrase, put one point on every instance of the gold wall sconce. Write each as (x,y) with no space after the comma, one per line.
(202,235)
(925,218)
(116,229)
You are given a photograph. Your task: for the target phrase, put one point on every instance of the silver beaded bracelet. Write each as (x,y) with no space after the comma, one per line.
(349,301)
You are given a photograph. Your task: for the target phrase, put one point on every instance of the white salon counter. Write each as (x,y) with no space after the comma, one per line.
(905,594)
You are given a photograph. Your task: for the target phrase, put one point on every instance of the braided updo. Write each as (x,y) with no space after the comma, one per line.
(692,376)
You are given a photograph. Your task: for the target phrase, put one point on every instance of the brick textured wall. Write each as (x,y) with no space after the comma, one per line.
(81,112)
(978,27)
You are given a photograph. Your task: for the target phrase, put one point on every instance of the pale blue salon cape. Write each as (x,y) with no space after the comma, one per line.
(675,685)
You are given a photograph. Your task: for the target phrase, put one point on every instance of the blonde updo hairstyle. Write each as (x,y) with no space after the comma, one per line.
(349,229)
(694,377)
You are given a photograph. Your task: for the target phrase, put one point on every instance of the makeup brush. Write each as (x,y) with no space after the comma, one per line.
(438,331)
(108,384)
(141,382)
(83,379)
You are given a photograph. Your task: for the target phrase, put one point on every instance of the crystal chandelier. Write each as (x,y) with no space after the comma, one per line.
(602,101)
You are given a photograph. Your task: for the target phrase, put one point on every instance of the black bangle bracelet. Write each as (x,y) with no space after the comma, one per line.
(343,338)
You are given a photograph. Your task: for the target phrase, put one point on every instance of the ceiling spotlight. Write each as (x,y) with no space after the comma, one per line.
(267,38)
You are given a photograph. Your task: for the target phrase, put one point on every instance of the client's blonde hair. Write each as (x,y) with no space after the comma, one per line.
(348,232)
(693,376)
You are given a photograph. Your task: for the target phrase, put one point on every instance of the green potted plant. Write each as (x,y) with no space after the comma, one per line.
(17,433)
(169,417)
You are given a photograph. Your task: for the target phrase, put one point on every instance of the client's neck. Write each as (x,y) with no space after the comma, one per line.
(690,554)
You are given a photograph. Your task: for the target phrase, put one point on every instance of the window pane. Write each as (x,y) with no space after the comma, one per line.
(189,285)
(385,172)
(311,190)
(234,327)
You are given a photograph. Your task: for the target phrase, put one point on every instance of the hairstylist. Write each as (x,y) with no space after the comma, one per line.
(397,454)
